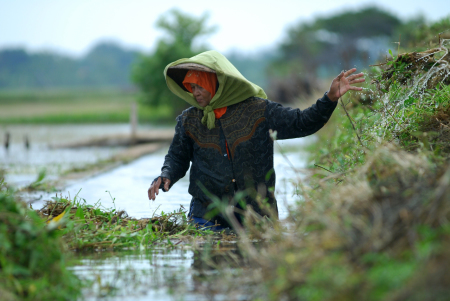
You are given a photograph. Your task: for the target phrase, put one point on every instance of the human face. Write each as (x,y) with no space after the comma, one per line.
(202,96)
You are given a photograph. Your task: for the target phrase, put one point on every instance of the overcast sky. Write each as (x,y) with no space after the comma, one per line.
(72,27)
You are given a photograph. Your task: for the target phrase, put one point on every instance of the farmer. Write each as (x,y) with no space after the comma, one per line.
(226,136)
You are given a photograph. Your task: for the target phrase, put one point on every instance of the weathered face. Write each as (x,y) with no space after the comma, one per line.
(202,96)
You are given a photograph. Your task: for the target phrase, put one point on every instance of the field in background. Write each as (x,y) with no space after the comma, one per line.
(75,106)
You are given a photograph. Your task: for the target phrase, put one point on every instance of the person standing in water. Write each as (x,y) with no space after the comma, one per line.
(226,135)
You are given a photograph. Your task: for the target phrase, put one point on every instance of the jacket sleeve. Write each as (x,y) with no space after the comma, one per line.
(178,158)
(294,123)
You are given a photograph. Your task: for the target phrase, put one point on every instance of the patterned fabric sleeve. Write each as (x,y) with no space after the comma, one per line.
(294,123)
(177,160)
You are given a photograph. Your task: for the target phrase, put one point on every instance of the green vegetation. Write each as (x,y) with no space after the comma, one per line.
(373,222)
(420,35)
(40,184)
(75,106)
(321,48)
(32,255)
(328,40)
(35,245)
(105,65)
(407,104)
(93,227)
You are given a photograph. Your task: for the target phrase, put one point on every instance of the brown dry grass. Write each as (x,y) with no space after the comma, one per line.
(379,211)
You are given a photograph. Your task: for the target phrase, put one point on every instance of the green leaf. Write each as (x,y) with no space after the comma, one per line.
(91,226)
(80,215)
(390,52)
(409,101)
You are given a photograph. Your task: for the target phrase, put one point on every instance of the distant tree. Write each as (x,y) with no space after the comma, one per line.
(337,41)
(182,33)
(417,34)
(105,65)
(327,45)
(12,62)
(19,69)
(253,65)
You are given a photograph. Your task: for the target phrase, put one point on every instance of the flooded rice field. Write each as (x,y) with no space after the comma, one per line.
(154,274)
(158,274)
(31,148)
(144,276)
(125,187)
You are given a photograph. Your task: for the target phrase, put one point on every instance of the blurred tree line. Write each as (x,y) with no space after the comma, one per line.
(320,49)
(311,51)
(106,65)
(182,34)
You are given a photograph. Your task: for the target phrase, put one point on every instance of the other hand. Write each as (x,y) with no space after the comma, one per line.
(153,191)
(344,82)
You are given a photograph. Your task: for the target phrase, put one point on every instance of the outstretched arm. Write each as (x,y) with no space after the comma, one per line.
(176,162)
(293,123)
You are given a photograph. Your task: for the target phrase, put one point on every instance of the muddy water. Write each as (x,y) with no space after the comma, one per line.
(159,274)
(155,274)
(125,187)
(145,276)
(22,163)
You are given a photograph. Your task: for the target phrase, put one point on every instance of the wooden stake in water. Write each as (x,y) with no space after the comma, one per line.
(7,138)
(133,122)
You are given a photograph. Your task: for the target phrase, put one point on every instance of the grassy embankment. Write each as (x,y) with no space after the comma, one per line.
(374,220)
(75,106)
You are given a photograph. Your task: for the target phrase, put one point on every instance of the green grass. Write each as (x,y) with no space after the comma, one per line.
(373,222)
(33,261)
(36,245)
(76,106)
(121,115)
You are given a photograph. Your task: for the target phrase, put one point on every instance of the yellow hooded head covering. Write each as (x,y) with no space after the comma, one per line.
(233,86)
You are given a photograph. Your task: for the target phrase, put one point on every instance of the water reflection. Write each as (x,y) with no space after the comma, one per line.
(154,275)
(164,274)
(30,149)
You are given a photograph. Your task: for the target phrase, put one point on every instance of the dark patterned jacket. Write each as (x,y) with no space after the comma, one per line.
(245,126)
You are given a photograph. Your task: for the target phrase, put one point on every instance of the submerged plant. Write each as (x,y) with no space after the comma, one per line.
(40,184)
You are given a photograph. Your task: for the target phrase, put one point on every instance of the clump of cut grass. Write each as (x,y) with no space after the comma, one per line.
(406,104)
(93,227)
(422,69)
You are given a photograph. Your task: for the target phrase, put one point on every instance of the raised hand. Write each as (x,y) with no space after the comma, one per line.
(344,82)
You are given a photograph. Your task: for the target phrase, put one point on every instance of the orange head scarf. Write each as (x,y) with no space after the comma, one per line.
(206,80)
